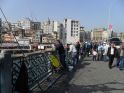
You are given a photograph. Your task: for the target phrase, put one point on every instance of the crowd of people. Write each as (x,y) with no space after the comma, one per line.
(69,49)
(102,51)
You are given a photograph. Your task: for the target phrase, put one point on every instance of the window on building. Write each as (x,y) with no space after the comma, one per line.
(65,25)
(71,33)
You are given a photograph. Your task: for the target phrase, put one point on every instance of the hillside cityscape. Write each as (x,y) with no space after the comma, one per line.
(61,46)
(26,31)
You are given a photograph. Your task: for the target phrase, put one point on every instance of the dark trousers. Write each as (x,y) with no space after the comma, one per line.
(111,59)
(118,61)
(62,60)
(77,56)
(100,57)
(74,58)
(94,57)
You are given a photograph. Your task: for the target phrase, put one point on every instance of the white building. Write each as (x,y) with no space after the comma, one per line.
(25,23)
(47,27)
(105,35)
(6,26)
(53,27)
(72,31)
(99,34)
(59,28)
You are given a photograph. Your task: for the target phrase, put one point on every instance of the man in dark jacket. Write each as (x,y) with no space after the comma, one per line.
(77,46)
(112,53)
(61,52)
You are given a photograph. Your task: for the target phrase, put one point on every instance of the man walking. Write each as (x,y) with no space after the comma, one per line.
(112,51)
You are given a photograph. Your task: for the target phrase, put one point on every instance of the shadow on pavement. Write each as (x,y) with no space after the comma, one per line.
(63,84)
(82,65)
(88,58)
(98,88)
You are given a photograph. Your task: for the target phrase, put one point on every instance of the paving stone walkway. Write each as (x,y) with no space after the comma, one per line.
(96,77)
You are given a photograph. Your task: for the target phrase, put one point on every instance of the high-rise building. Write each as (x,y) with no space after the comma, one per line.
(82,34)
(47,26)
(0,29)
(25,23)
(54,28)
(36,25)
(28,24)
(72,31)
(6,26)
(58,28)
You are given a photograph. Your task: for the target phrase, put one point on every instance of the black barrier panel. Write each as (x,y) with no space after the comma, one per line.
(38,68)
(29,72)
(6,74)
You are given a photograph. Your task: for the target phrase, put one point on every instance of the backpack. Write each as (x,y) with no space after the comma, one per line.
(54,61)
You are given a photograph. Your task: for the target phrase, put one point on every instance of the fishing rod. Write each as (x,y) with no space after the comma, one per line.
(11,31)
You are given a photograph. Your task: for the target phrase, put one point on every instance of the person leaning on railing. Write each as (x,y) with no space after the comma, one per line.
(77,46)
(61,53)
(73,52)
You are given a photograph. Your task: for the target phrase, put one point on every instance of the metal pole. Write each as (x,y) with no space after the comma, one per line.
(109,17)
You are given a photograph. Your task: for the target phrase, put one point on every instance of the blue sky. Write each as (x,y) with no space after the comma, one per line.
(90,13)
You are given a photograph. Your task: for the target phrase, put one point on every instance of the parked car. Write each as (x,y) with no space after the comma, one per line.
(116,41)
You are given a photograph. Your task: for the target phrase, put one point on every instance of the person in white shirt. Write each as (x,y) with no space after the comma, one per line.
(112,53)
(73,53)
(106,46)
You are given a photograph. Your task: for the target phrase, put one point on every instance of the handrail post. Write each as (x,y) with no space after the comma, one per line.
(6,74)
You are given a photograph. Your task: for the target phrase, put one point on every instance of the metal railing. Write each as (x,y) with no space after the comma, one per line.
(19,74)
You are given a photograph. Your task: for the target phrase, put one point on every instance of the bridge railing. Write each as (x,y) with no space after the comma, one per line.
(19,74)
